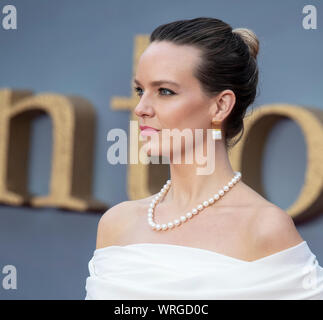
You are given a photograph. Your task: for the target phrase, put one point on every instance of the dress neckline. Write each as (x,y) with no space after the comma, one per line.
(143,244)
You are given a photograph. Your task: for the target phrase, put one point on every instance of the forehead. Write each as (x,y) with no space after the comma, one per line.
(165,59)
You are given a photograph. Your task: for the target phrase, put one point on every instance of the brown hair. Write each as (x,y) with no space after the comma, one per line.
(229,61)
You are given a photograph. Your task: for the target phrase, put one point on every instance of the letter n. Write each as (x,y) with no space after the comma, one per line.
(73,122)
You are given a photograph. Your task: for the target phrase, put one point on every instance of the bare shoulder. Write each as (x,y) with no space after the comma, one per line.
(117,220)
(274,230)
(113,223)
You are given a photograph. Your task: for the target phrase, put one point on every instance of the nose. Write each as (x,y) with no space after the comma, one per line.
(143,109)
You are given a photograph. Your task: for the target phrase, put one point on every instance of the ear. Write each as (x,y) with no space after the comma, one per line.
(222,105)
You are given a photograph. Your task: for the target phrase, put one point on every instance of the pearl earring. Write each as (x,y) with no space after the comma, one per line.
(216,131)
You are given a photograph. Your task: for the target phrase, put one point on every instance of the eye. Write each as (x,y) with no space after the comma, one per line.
(137,89)
(170,92)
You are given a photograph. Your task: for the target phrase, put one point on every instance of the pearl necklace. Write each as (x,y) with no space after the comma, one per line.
(188,215)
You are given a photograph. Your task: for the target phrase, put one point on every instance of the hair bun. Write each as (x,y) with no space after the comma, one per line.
(250,39)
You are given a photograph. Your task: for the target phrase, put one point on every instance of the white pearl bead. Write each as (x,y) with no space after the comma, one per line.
(177,222)
(230,184)
(150,210)
(205,203)
(170,225)
(216,197)
(183,218)
(194,211)
(225,188)
(189,214)
(150,214)
(164,226)
(211,200)
(158,226)
(221,192)
(199,207)
(168,182)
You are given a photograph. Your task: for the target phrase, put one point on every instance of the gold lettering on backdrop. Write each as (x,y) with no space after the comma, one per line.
(145,180)
(73,120)
(247,154)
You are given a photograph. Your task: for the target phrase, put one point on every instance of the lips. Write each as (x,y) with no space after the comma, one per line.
(147,131)
(147,128)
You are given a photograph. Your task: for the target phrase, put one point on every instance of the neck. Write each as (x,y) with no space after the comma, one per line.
(188,188)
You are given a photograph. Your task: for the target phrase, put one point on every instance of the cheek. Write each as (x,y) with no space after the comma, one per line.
(186,112)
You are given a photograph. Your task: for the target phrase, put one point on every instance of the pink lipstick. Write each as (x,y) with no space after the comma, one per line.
(146,130)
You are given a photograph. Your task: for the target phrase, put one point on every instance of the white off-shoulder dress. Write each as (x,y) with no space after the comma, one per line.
(153,271)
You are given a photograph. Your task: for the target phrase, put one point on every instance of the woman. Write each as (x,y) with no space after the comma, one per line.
(208,236)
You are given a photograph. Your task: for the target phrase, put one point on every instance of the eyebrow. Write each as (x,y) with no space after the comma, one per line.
(158,82)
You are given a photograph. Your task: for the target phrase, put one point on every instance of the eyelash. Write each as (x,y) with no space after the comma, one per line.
(172,92)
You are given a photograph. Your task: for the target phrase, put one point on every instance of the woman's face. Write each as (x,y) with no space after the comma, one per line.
(177,105)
